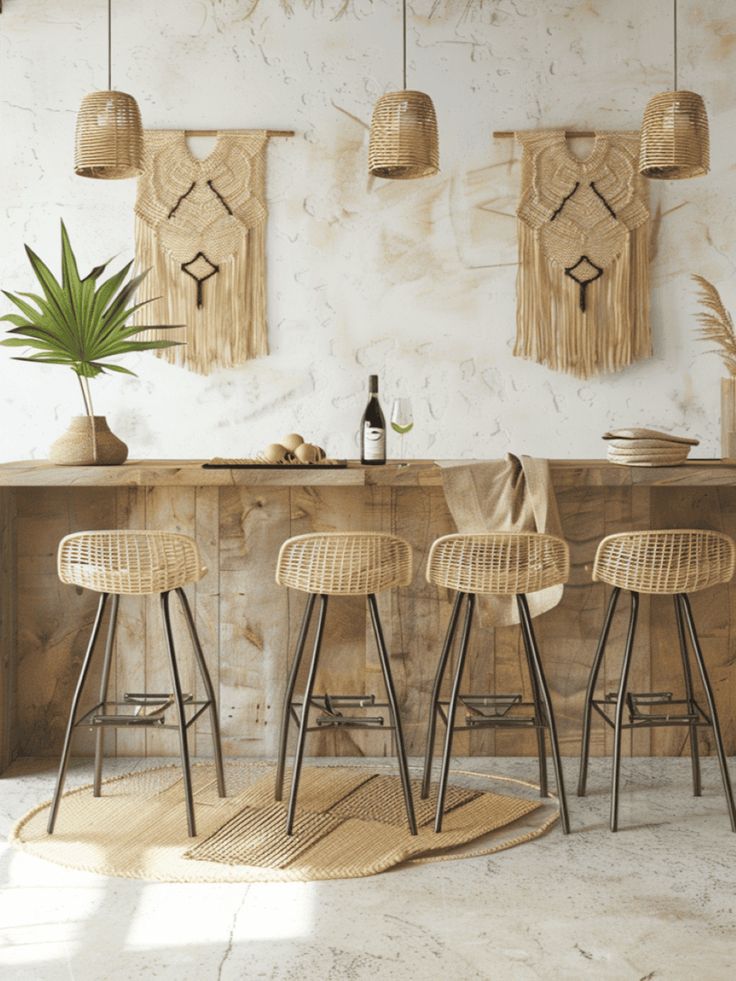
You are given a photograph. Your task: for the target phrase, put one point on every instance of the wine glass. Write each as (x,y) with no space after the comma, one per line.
(402,421)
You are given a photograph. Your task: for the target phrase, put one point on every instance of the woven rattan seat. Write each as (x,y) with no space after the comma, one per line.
(503,563)
(670,561)
(131,563)
(344,563)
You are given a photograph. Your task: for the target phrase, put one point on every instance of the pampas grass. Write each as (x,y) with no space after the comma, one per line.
(716,325)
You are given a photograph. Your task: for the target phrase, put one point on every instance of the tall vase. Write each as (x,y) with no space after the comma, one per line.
(88,442)
(728,417)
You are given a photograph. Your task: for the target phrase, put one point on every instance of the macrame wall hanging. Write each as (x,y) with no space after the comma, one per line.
(201,228)
(583,278)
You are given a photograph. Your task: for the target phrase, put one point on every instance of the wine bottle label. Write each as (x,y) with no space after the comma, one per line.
(374,443)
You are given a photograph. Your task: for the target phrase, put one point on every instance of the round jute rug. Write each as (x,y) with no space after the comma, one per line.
(350,823)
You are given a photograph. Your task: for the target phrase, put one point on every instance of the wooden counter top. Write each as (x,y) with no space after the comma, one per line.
(416,473)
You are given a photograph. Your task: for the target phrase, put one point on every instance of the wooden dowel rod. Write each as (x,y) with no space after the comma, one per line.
(571,134)
(216,132)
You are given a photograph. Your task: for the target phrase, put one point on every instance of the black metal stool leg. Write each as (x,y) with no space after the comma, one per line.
(590,692)
(436,689)
(64,763)
(104,685)
(304,721)
(445,770)
(712,711)
(620,705)
(694,753)
(288,696)
(179,701)
(394,709)
(526,622)
(540,716)
(209,690)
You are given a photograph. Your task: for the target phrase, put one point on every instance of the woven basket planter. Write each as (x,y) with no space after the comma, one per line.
(675,143)
(109,141)
(403,142)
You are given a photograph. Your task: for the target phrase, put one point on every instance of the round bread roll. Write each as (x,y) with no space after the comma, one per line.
(292,441)
(275,453)
(306,453)
(321,452)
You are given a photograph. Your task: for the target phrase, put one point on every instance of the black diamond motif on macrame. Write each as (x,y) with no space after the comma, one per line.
(583,272)
(200,269)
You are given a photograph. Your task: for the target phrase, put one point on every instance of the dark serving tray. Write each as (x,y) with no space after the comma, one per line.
(233,465)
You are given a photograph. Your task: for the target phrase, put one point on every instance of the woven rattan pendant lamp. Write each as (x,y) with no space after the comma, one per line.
(109,141)
(675,143)
(403,142)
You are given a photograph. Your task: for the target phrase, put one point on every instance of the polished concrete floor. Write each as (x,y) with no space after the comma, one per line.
(655,902)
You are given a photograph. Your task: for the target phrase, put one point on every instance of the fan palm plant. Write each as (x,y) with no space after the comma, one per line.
(77,323)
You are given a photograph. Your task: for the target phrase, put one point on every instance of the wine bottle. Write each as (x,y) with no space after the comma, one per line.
(373,428)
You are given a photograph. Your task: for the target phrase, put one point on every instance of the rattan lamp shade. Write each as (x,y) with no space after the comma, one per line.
(675,143)
(109,142)
(403,141)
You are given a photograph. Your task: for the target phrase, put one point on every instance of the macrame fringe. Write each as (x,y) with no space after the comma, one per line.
(614,330)
(237,293)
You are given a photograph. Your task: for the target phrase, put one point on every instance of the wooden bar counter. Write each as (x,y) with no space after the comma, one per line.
(248,624)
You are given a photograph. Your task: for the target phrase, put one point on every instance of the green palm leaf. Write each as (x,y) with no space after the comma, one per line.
(76,323)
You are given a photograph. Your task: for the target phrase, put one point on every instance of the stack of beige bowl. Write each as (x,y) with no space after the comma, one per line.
(647,448)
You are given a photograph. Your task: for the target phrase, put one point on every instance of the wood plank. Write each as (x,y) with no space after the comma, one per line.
(254,618)
(416,473)
(167,509)
(713,610)
(129,672)
(207,603)
(8,732)
(54,620)
(344,651)
(422,611)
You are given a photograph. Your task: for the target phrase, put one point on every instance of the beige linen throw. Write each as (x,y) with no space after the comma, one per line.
(513,494)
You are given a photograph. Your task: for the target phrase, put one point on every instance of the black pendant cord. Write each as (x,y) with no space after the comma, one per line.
(404,26)
(109,45)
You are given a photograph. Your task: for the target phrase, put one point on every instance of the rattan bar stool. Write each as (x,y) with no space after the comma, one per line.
(670,562)
(136,563)
(340,564)
(502,564)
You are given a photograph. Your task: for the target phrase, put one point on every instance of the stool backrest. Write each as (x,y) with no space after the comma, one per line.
(344,563)
(501,563)
(130,562)
(676,560)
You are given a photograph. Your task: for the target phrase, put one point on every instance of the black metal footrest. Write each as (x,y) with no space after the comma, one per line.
(149,710)
(653,708)
(643,706)
(489,709)
(332,716)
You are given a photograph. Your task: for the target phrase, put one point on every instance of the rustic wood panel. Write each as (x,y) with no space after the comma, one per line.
(713,610)
(129,672)
(54,621)
(343,666)
(248,624)
(254,618)
(8,732)
(207,602)
(167,509)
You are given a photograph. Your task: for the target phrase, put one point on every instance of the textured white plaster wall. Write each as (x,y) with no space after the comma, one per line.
(414,281)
